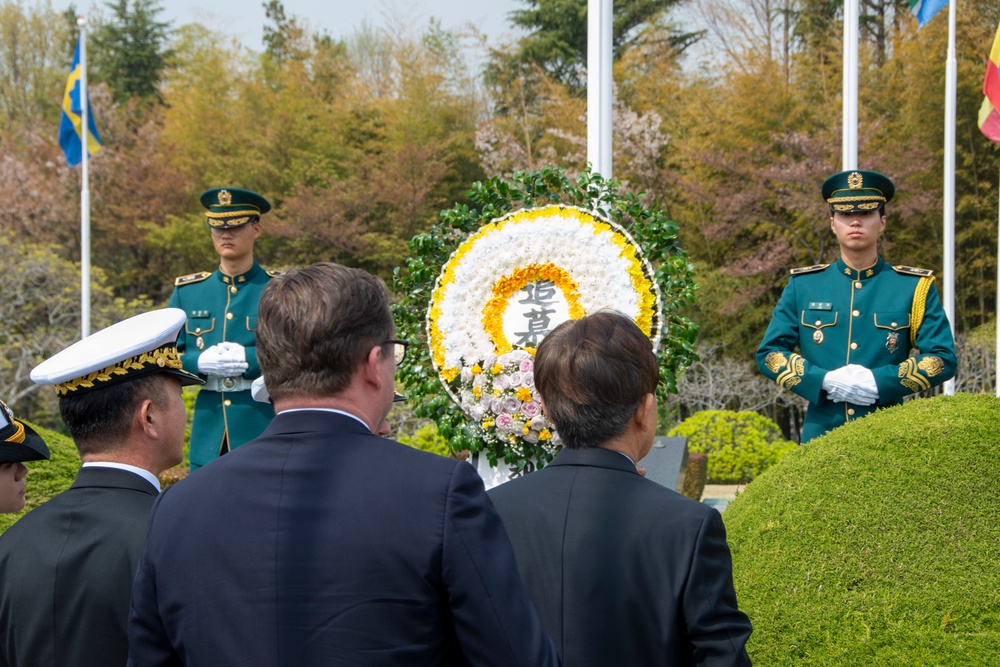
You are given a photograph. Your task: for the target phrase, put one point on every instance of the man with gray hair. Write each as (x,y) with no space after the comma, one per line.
(330,545)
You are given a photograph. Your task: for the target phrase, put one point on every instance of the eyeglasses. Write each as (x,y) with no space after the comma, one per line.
(399,348)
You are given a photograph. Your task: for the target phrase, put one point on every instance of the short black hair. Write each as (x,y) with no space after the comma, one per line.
(592,374)
(99,420)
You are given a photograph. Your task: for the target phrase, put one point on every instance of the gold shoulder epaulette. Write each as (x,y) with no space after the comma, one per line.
(191,278)
(274,273)
(808,269)
(913,271)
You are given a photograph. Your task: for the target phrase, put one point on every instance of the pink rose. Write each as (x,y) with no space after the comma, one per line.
(511,405)
(527,366)
(530,409)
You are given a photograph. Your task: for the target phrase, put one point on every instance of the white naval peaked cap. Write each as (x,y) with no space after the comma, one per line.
(138,346)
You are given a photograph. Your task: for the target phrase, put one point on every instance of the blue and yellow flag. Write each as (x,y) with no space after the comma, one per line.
(71,125)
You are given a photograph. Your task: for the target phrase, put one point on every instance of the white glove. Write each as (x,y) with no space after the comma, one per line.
(852,384)
(259,391)
(865,388)
(223,360)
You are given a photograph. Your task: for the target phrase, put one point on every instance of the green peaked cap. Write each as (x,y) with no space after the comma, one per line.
(232,207)
(857,190)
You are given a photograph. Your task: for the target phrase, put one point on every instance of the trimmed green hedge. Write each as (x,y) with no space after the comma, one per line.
(740,445)
(428,439)
(877,543)
(47,478)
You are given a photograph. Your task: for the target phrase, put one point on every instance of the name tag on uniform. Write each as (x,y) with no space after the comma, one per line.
(819,305)
(199,313)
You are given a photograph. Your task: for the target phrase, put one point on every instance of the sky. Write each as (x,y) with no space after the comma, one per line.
(244,19)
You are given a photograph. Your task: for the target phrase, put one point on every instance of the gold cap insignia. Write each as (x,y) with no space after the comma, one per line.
(225,198)
(854,181)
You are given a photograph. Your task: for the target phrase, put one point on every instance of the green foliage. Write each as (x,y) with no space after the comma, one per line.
(492,199)
(558,37)
(696,475)
(427,439)
(40,315)
(129,51)
(740,445)
(47,478)
(35,54)
(876,543)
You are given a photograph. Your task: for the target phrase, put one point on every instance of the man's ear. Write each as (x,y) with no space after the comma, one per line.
(646,414)
(147,418)
(371,366)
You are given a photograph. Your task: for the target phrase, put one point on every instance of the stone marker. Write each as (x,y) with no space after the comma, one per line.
(667,461)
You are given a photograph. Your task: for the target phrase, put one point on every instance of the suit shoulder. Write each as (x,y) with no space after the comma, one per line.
(191,278)
(815,268)
(913,271)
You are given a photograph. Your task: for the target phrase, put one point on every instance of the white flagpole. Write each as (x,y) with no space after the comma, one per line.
(850,95)
(84,189)
(599,30)
(951,77)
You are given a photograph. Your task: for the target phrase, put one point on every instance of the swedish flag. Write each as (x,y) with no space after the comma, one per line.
(71,125)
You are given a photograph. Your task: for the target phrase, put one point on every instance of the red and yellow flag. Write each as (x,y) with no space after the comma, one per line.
(989,112)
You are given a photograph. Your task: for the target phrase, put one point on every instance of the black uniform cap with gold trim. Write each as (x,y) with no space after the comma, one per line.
(857,190)
(133,348)
(18,441)
(233,207)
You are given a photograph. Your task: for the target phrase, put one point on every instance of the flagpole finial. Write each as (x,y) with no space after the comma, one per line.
(81,21)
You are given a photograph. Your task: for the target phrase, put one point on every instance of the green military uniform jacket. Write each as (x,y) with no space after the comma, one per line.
(221,308)
(835,315)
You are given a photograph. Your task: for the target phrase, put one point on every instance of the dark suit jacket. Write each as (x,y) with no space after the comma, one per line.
(623,571)
(66,572)
(327,545)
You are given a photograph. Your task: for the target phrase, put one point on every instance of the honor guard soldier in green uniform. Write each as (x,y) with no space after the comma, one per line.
(218,341)
(842,334)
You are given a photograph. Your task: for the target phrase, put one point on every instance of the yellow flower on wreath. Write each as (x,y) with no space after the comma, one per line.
(505,288)
(523,394)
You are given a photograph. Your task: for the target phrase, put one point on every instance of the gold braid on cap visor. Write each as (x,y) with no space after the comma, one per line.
(18,436)
(230,222)
(163,357)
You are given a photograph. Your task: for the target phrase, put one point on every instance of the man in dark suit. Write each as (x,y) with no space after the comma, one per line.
(66,568)
(329,545)
(623,571)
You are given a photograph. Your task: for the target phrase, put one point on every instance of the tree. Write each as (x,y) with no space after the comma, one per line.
(130,52)
(558,38)
(34,60)
(40,315)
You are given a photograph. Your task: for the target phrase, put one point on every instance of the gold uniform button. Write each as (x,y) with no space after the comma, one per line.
(850,411)
(857,312)
(227,402)
(198,330)
(854,346)
(233,289)
(858,284)
(229,316)
(819,322)
(893,324)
